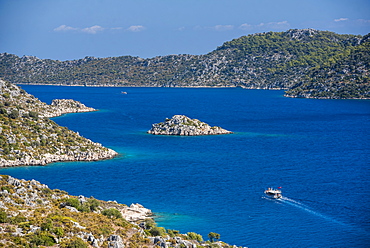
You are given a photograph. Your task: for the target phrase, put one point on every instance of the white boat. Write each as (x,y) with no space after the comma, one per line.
(273,193)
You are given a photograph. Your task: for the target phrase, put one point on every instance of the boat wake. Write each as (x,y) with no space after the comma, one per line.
(304,207)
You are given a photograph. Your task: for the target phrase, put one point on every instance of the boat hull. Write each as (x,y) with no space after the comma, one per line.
(272,195)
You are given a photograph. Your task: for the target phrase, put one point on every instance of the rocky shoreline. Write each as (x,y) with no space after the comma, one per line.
(37,216)
(29,137)
(60,107)
(48,158)
(184,126)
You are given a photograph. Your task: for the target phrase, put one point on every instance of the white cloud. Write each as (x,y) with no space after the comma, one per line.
(274,25)
(341,19)
(246,26)
(63,28)
(198,27)
(223,27)
(136,28)
(215,28)
(362,22)
(266,26)
(93,29)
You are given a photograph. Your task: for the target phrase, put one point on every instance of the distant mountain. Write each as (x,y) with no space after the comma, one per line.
(306,63)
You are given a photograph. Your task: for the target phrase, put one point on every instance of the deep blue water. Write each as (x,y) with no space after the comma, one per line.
(317,150)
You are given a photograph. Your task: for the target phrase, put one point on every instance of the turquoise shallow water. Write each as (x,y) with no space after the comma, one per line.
(317,150)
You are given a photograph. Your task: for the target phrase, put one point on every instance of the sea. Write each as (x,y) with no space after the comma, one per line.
(317,151)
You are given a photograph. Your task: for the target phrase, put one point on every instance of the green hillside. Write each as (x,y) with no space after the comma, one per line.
(306,63)
(33,215)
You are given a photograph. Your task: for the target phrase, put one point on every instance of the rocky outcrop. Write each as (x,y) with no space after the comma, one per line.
(184,126)
(48,158)
(136,212)
(115,241)
(64,106)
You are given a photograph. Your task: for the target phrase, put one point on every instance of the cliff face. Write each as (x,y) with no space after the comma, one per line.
(306,62)
(184,126)
(27,137)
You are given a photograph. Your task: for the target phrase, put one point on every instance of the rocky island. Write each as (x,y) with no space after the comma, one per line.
(33,215)
(184,126)
(29,137)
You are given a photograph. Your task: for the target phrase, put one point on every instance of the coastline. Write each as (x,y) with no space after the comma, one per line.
(52,158)
(29,137)
(130,86)
(24,198)
(197,87)
(31,211)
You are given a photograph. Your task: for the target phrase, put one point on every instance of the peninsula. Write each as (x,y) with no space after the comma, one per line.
(64,106)
(33,215)
(29,137)
(184,126)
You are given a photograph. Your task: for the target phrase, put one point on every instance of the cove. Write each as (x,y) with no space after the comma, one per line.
(316,150)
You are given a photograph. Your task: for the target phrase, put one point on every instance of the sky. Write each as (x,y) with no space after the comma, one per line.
(72,29)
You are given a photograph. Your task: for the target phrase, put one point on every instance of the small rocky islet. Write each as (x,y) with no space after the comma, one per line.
(182,125)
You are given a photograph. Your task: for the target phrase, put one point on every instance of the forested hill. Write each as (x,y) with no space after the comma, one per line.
(306,63)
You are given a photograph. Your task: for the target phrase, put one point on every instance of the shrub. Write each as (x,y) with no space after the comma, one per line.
(33,114)
(149,223)
(43,238)
(58,231)
(74,243)
(122,222)
(72,202)
(195,236)
(173,233)
(25,225)
(157,231)
(47,191)
(47,225)
(3,111)
(213,236)
(17,219)
(14,114)
(3,216)
(21,242)
(93,203)
(112,213)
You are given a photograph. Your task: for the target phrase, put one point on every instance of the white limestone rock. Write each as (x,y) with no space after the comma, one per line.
(184,126)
